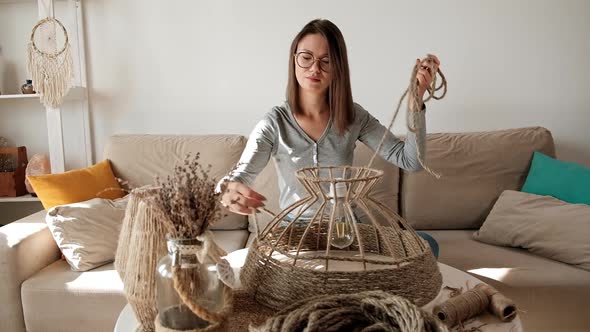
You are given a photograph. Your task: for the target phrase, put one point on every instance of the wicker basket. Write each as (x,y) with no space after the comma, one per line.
(293,258)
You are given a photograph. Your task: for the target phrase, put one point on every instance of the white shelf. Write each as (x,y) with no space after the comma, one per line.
(24,1)
(24,198)
(75,93)
(14,1)
(22,96)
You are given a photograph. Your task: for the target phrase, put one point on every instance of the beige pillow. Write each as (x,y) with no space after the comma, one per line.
(542,224)
(87,232)
(476,168)
(139,158)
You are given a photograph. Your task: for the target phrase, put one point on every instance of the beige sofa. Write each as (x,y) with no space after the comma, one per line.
(41,293)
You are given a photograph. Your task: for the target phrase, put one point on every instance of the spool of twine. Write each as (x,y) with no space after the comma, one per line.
(474,302)
(501,306)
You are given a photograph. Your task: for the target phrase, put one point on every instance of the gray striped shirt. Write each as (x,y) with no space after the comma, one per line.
(278,135)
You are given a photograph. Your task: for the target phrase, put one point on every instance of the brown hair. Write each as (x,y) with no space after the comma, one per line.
(339,93)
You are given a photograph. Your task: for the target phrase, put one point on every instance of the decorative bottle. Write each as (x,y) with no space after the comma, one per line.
(184,279)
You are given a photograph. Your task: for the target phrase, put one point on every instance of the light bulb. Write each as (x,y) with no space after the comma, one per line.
(343,227)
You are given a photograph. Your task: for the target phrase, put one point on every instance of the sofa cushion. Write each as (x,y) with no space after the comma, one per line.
(567,181)
(553,296)
(475,169)
(26,246)
(386,191)
(76,185)
(59,299)
(231,240)
(544,225)
(87,232)
(140,158)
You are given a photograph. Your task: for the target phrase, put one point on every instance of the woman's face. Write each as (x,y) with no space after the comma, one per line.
(312,52)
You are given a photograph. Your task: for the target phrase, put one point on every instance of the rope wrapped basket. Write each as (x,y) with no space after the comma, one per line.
(290,261)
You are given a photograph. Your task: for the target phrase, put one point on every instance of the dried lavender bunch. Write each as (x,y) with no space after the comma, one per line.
(188,198)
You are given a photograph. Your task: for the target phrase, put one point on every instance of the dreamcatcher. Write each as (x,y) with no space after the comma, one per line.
(49,61)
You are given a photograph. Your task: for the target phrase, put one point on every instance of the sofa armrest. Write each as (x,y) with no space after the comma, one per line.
(26,246)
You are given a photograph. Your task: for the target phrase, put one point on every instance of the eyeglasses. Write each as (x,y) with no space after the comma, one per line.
(306,60)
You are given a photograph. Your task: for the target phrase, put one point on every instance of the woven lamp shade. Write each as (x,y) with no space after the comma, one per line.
(294,256)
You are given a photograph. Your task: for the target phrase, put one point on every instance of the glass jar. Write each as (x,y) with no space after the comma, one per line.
(195,280)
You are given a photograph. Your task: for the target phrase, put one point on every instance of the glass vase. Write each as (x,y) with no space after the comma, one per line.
(182,277)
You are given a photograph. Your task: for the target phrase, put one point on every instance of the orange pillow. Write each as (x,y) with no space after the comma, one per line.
(76,185)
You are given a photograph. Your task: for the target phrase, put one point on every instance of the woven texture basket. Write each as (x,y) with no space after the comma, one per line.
(293,259)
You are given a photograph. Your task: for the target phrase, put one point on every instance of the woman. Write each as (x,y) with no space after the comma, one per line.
(319,123)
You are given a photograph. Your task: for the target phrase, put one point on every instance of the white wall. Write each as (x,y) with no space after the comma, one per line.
(198,67)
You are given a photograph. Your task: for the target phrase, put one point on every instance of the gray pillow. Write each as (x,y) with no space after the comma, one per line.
(87,232)
(541,224)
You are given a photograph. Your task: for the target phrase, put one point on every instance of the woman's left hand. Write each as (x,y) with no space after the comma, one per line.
(428,67)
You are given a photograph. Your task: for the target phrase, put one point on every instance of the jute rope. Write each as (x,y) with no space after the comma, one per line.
(474,302)
(414,105)
(363,312)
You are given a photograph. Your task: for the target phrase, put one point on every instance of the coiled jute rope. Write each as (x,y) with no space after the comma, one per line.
(364,312)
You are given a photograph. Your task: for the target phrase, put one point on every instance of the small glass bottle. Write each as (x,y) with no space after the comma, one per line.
(199,282)
(343,226)
(27,88)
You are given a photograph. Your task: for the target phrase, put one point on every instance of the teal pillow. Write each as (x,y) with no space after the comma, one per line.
(563,180)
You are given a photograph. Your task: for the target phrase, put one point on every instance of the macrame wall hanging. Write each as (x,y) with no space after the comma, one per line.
(49,61)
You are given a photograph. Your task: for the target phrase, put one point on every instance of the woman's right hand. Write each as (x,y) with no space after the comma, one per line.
(239,198)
